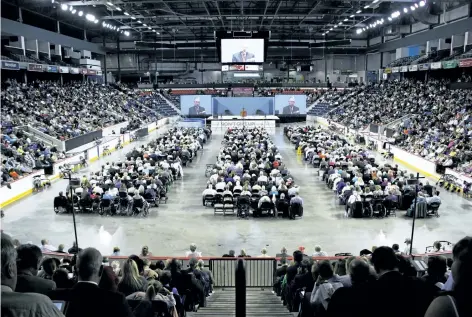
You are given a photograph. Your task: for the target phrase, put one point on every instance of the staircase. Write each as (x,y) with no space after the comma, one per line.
(259,303)
(170,103)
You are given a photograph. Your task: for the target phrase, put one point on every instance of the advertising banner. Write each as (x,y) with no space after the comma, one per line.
(388,70)
(395,69)
(243,91)
(436,65)
(423,66)
(35,67)
(10,65)
(403,69)
(465,62)
(52,69)
(74,70)
(449,64)
(63,69)
(413,68)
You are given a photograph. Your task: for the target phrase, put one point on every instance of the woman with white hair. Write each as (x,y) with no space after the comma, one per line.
(193,252)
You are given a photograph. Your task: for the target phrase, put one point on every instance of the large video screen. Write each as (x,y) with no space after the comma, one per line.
(192,105)
(242,50)
(290,104)
(259,106)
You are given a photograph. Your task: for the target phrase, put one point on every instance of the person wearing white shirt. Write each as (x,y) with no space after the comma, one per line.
(352,199)
(407,248)
(209,191)
(263,199)
(220,186)
(98,190)
(238,186)
(318,251)
(263,254)
(434,199)
(46,247)
(293,190)
(262,178)
(193,252)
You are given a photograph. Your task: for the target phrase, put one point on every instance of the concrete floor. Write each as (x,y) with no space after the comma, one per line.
(169,229)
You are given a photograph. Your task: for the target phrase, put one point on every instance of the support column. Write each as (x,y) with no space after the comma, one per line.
(467,39)
(118,57)
(20,43)
(457,41)
(105,61)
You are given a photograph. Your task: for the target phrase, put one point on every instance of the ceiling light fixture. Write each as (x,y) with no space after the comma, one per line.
(96,21)
(133,18)
(405,10)
(366,7)
(150,28)
(81,13)
(139,21)
(345,20)
(375,1)
(351,16)
(412,8)
(416,5)
(126,13)
(109,3)
(144,24)
(64,7)
(74,11)
(118,8)
(422,3)
(126,33)
(90,17)
(358,11)
(389,18)
(359,31)
(331,29)
(158,33)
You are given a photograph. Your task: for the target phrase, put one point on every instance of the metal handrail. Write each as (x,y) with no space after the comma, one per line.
(240,278)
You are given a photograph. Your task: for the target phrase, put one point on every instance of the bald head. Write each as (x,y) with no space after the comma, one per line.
(359,270)
(88,265)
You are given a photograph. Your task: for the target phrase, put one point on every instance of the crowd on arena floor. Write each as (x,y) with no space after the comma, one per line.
(94,285)
(365,187)
(141,181)
(438,125)
(250,173)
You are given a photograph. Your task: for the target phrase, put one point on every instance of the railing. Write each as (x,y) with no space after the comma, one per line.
(240,277)
(43,136)
(259,271)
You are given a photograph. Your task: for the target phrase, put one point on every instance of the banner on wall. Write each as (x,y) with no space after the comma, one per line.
(436,65)
(449,64)
(423,66)
(465,62)
(395,69)
(387,70)
(52,69)
(10,65)
(413,68)
(403,69)
(35,67)
(63,70)
(74,70)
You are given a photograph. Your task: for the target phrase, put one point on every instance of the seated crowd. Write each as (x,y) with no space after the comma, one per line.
(89,286)
(438,126)
(381,282)
(142,180)
(250,172)
(364,187)
(363,285)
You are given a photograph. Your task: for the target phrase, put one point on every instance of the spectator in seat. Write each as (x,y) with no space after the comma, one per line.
(60,249)
(319,252)
(109,280)
(15,303)
(326,284)
(456,303)
(166,278)
(116,251)
(349,301)
(74,249)
(206,275)
(86,298)
(131,281)
(49,266)
(411,292)
(145,252)
(46,247)
(230,254)
(155,292)
(28,260)
(436,273)
(292,270)
(396,248)
(193,251)
(434,199)
(263,254)
(61,278)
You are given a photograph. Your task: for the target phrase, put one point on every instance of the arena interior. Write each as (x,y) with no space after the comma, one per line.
(236,158)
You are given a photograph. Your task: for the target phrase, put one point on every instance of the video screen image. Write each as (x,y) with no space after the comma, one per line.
(195,104)
(290,104)
(242,50)
(260,106)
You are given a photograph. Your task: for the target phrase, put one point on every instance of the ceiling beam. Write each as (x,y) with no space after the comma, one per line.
(219,13)
(265,12)
(275,13)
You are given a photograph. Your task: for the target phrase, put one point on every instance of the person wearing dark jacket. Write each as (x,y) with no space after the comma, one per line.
(29,257)
(86,298)
(292,270)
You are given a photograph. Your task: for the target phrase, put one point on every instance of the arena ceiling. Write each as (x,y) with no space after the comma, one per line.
(184,20)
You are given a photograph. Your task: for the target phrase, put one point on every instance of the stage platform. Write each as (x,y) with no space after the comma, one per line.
(220,124)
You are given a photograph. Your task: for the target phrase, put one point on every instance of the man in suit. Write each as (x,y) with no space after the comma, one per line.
(291,108)
(20,304)
(196,109)
(28,261)
(392,285)
(244,56)
(86,298)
